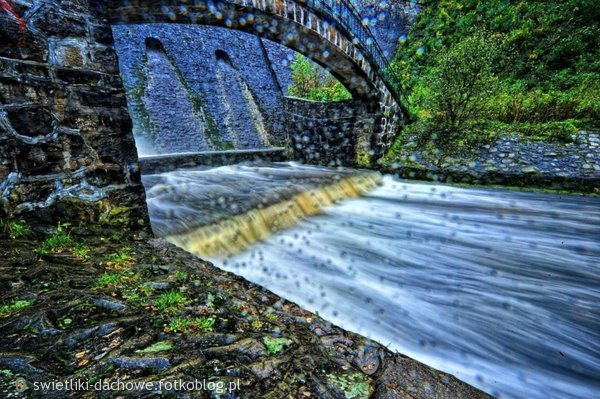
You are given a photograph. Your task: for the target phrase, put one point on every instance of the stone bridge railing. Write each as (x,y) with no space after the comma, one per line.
(346,17)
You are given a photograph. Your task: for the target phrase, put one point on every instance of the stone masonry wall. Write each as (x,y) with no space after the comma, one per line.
(66,148)
(389,20)
(232,100)
(327,133)
(516,162)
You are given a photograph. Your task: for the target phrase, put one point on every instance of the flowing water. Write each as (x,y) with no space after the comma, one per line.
(500,288)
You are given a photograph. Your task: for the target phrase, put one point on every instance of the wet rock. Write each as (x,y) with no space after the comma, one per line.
(247,347)
(517,162)
(266,368)
(368,358)
(213,339)
(20,364)
(109,304)
(158,285)
(37,323)
(142,363)
(133,342)
(406,378)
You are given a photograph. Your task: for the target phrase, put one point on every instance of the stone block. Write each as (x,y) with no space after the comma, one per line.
(70,52)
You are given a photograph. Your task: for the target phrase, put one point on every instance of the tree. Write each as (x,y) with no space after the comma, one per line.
(312,85)
(461,82)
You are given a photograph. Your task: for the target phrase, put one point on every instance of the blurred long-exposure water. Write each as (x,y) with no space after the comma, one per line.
(500,288)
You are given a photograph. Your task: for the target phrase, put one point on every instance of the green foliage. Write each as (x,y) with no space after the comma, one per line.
(58,242)
(453,93)
(15,306)
(160,346)
(469,66)
(275,345)
(559,131)
(354,385)
(121,259)
(311,85)
(272,317)
(17,229)
(184,325)
(81,251)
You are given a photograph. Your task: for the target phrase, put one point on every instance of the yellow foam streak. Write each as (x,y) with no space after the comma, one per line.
(237,233)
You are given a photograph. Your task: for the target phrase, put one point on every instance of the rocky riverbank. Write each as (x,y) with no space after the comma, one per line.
(513,161)
(101,311)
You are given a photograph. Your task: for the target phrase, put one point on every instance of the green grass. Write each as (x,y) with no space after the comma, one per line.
(15,306)
(56,243)
(110,280)
(17,229)
(184,325)
(275,346)
(81,251)
(120,259)
(180,276)
(170,301)
(61,241)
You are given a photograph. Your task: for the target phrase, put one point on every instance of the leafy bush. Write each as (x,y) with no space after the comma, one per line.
(453,93)
(470,68)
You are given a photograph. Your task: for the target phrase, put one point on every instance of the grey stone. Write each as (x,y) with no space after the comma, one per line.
(109,304)
(142,363)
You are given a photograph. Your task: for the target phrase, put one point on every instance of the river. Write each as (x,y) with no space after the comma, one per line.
(500,288)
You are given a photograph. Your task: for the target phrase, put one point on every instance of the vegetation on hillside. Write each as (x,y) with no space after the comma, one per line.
(474,69)
(310,84)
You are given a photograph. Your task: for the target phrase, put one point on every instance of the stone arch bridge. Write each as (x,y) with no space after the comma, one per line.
(65,132)
(329,32)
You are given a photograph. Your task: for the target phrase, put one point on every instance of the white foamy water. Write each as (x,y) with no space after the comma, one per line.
(500,288)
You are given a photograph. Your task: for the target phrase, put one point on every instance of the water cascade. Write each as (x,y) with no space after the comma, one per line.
(497,287)
(273,204)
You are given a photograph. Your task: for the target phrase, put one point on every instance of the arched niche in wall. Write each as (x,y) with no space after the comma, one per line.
(176,124)
(242,118)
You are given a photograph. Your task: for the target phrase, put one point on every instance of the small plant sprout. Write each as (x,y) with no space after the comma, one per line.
(14,307)
(275,346)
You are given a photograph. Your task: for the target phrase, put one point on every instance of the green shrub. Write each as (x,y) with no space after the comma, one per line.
(472,70)
(451,100)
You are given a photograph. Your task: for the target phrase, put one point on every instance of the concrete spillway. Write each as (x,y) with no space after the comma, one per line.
(221,211)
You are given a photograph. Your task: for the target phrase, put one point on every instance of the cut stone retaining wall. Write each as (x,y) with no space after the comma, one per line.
(516,162)
(326,133)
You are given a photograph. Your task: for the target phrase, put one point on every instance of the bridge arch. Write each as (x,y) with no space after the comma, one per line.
(309,27)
